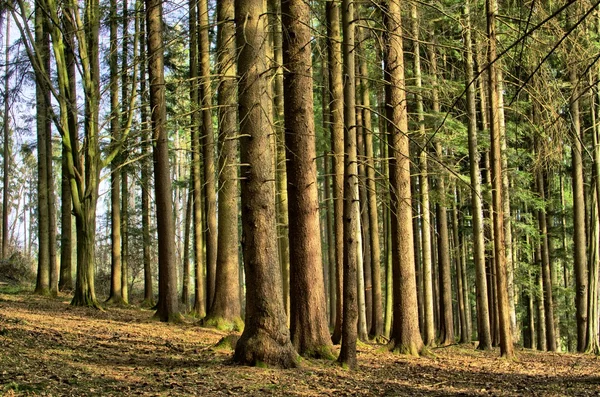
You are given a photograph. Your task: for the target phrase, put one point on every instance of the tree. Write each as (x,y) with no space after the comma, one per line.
(483,323)
(226,305)
(506,345)
(116,294)
(351,218)
(309,332)
(208,151)
(405,337)
(167,273)
(266,338)
(336,108)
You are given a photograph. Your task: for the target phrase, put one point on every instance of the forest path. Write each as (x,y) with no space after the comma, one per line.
(48,347)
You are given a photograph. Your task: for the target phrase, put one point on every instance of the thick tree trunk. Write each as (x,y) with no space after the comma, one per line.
(167,272)
(124,175)
(266,338)
(308,313)
(226,304)
(405,337)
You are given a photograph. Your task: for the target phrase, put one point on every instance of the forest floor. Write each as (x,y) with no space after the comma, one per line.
(48,347)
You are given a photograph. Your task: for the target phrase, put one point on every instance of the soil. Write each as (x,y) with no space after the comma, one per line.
(48,347)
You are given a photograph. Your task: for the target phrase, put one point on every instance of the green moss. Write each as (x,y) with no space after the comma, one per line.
(260,364)
(321,352)
(235,325)
(228,342)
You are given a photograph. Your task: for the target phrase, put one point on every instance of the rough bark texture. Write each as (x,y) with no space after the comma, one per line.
(274,9)
(145,172)
(405,337)
(506,343)
(351,226)
(115,295)
(167,272)
(266,338)
(446,323)
(336,107)
(427,262)
(42,285)
(579,237)
(226,304)
(308,313)
(208,147)
(483,323)
(199,289)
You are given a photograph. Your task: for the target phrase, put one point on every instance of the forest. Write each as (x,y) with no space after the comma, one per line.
(318,186)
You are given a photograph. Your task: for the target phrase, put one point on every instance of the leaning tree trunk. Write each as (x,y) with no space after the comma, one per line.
(266,338)
(167,272)
(405,337)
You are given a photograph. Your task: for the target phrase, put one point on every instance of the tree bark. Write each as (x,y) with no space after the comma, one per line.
(308,313)
(266,338)
(168,309)
(336,107)
(226,304)
(405,337)
(347,355)
(506,344)
(483,323)
(208,147)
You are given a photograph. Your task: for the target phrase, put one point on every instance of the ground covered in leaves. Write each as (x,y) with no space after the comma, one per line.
(48,347)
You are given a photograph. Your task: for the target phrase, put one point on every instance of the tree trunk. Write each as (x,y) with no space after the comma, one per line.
(579,237)
(405,336)
(43,129)
(124,175)
(483,323)
(506,344)
(226,304)
(274,10)
(115,295)
(308,313)
(6,144)
(199,290)
(208,147)
(167,272)
(66,246)
(446,324)
(145,172)
(336,106)
(266,338)
(351,251)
